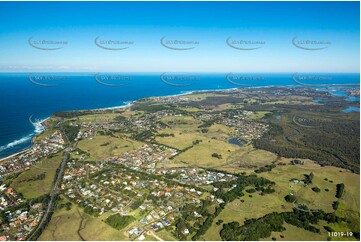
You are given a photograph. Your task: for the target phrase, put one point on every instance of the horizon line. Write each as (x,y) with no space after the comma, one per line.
(157,72)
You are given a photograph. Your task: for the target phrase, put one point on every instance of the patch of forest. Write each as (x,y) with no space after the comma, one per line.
(328,141)
(255,229)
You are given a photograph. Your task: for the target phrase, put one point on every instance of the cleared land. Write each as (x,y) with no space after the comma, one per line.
(349,202)
(245,208)
(209,147)
(180,140)
(30,182)
(184,133)
(293,233)
(76,225)
(102,147)
(257,158)
(200,155)
(258,206)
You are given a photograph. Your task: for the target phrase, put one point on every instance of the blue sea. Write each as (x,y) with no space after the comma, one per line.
(27,98)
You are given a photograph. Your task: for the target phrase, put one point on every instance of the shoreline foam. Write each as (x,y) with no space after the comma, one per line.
(128,104)
(39,128)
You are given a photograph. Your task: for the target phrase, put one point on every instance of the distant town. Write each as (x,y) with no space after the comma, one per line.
(177,167)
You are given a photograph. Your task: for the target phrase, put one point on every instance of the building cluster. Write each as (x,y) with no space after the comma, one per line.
(147,156)
(176,99)
(89,129)
(50,145)
(237,119)
(18,217)
(133,185)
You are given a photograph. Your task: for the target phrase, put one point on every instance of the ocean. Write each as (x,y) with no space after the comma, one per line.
(26,99)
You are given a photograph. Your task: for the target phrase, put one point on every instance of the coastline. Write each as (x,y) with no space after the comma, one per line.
(184,93)
(18,153)
(32,139)
(128,104)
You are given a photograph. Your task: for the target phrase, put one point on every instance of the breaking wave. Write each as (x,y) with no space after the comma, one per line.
(38,128)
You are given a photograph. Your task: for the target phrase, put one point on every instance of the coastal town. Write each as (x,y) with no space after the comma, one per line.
(50,145)
(156,196)
(180,120)
(22,216)
(165,167)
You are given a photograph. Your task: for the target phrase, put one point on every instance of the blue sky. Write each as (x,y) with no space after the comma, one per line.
(274,24)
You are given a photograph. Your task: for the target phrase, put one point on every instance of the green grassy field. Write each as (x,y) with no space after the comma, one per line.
(76,225)
(282,175)
(257,158)
(258,206)
(35,188)
(43,135)
(220,132)
(102,147)
(293,233)
(63,226)
(349,203)
(184,129)
(192,109)
(165,235)
(258,115)
(180,140)
(201,154)
(186,133)
(182,122)
(226,106)
(247,159)
(251,207)
(98,118)
(201,96)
